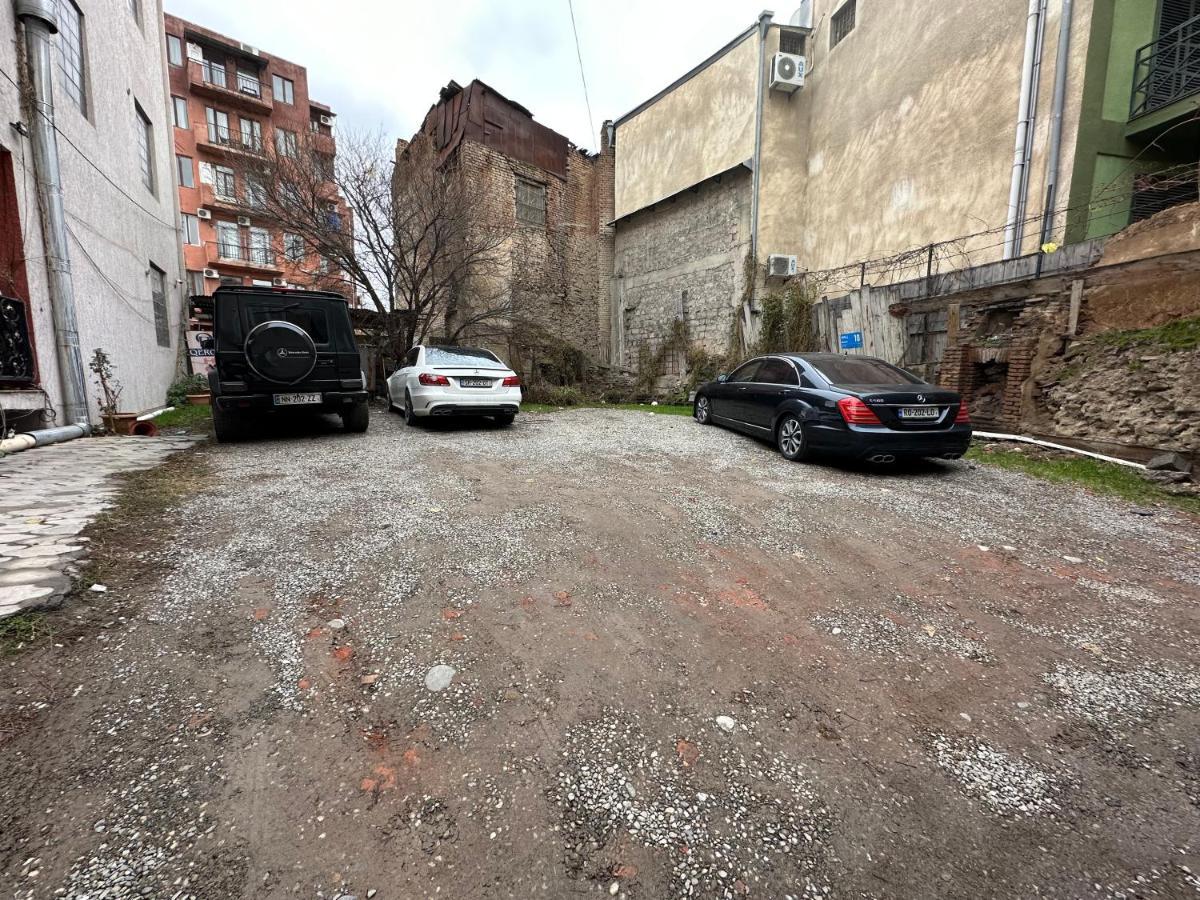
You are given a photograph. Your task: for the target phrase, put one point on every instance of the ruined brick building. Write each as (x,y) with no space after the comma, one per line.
(556,199)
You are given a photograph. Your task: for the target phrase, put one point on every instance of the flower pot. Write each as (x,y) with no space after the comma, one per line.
(120,423)
(199,399)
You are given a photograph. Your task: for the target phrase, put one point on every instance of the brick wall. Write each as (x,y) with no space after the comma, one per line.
(685,258)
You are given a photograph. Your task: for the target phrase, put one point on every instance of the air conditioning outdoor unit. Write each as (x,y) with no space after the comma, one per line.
(203,213)
(787,72)
(327,120)
(780,266)
(211,273)
(279,282)
(243,220)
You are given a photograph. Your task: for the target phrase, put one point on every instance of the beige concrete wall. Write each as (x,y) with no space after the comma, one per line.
(903,135)
(704,127)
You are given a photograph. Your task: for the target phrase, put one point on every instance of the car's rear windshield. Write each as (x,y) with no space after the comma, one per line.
(471,357)
(314,321)
(862,370)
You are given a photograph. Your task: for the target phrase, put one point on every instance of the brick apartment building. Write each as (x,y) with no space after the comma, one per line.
(556,197)
(229,99)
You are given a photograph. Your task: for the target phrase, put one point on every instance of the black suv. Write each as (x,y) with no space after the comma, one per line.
(279,351)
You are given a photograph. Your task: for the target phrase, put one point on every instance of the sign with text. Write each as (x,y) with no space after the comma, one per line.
(201,352)
(851,340)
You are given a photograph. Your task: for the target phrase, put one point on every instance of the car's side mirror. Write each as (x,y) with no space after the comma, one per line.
(722,378)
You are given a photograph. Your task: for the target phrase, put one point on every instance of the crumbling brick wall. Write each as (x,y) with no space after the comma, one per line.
(682,259)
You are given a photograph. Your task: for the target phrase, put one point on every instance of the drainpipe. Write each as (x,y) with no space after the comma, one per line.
(764,23)
(1026,110)
(40,20)
(1054,151)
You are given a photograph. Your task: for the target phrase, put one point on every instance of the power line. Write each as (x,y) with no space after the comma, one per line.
(113,286)
(582,76)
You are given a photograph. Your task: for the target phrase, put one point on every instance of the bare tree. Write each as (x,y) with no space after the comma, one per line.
(402,230)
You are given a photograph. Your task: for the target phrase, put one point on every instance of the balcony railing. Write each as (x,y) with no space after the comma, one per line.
(240,251)
(213,75)
(234,138)
(1167,69)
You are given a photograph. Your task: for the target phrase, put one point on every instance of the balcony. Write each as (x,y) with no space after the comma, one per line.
(1166,73)
(236,88)
(244,204)
(243,256)
(221,139)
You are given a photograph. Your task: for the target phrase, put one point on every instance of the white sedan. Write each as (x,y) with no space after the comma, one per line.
(454,381)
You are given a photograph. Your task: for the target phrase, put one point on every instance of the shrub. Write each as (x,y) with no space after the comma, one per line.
(184,385)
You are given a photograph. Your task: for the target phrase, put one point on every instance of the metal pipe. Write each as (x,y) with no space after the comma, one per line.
(44,436)
(1029,65)
(764,23)
(1054,151)
(39,18)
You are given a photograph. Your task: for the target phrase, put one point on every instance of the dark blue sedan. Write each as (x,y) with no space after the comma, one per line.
(855,406)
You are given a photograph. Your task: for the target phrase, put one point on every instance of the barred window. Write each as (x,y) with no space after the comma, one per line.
(841,24)
(158,291)
(531,202)
(70,53)
(293,246)
(145,139)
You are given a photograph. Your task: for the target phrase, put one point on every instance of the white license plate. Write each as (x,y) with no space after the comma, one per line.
(475,382)
(296,399)
(919,412)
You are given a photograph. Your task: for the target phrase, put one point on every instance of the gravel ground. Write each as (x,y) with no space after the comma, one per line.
(604,653)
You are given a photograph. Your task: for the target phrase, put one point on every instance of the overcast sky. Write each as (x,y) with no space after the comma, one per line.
(380,63)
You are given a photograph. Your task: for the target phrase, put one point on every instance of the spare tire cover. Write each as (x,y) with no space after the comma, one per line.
(280,351)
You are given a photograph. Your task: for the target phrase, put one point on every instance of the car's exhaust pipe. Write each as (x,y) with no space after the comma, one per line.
(882,458)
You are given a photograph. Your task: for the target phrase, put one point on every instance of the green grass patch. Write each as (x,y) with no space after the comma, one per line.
(1094,474)
(1182,334)
(21,630)
(193,418)
(663,409)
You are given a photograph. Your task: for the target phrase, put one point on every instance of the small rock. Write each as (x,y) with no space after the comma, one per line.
(725,723)
(337,624)
(439,677)
(1074,560)
(964,717)
(98,588)
(371,893)
(835,630)
(1022,704)
(613,888)
(1168,461)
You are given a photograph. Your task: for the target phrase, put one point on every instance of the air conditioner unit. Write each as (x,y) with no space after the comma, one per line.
(279,282)
(243,220)
(211,273)
(203,213)
(780,266)
(327,120)
(787,72)
(246,48)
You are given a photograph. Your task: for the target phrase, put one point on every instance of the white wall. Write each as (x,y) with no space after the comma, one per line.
(111,214)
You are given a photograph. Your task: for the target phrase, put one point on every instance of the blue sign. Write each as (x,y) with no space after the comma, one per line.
(851,340)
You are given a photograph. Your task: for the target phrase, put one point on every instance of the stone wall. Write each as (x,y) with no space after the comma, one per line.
(682,259)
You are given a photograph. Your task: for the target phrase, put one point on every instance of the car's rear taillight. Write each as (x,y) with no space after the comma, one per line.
(855,412)
(512,381)
(433,380)
(962,417)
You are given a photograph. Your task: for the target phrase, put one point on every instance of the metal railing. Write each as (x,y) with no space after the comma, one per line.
(1166,69)
(238,82)
(244,252)
(235,138)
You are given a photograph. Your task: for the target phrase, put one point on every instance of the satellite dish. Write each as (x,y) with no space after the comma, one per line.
(803,16)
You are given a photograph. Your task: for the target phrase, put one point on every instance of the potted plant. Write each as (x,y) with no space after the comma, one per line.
(110,394)
(191,389)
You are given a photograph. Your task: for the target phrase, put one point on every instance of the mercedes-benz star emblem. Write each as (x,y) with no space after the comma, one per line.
(920,398)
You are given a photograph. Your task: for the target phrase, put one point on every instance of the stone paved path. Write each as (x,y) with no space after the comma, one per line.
(48,495)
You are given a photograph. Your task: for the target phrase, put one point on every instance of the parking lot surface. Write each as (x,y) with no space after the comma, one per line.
(608,653)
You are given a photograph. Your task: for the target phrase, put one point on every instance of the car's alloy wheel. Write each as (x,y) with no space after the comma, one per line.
(702,411)
(410,418)
(790,438)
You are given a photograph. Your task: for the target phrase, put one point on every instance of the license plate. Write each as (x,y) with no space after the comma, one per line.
(296,399)
(475,382)
(919,412)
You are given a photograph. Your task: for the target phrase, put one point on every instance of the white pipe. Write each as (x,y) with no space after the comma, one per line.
(998,436)
(1029,64)
(151,415)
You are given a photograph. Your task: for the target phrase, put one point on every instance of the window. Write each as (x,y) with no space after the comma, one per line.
(218,125)
(187,172)
(861,370)
(1152,194)
(158,291)
(174,50)
(313,320)
(145,139)
(195,284)
(776,371)
(181,112)
(284,88)
(251,134)
(531,202)
(224,184)
(791,42)
(229,241)
(260,247)
(748,372)
(841,24)
(462,356)
(256,193)
(135,10)
(411,359)
(190,226)
(285,142)
(71,53)
(293,246)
